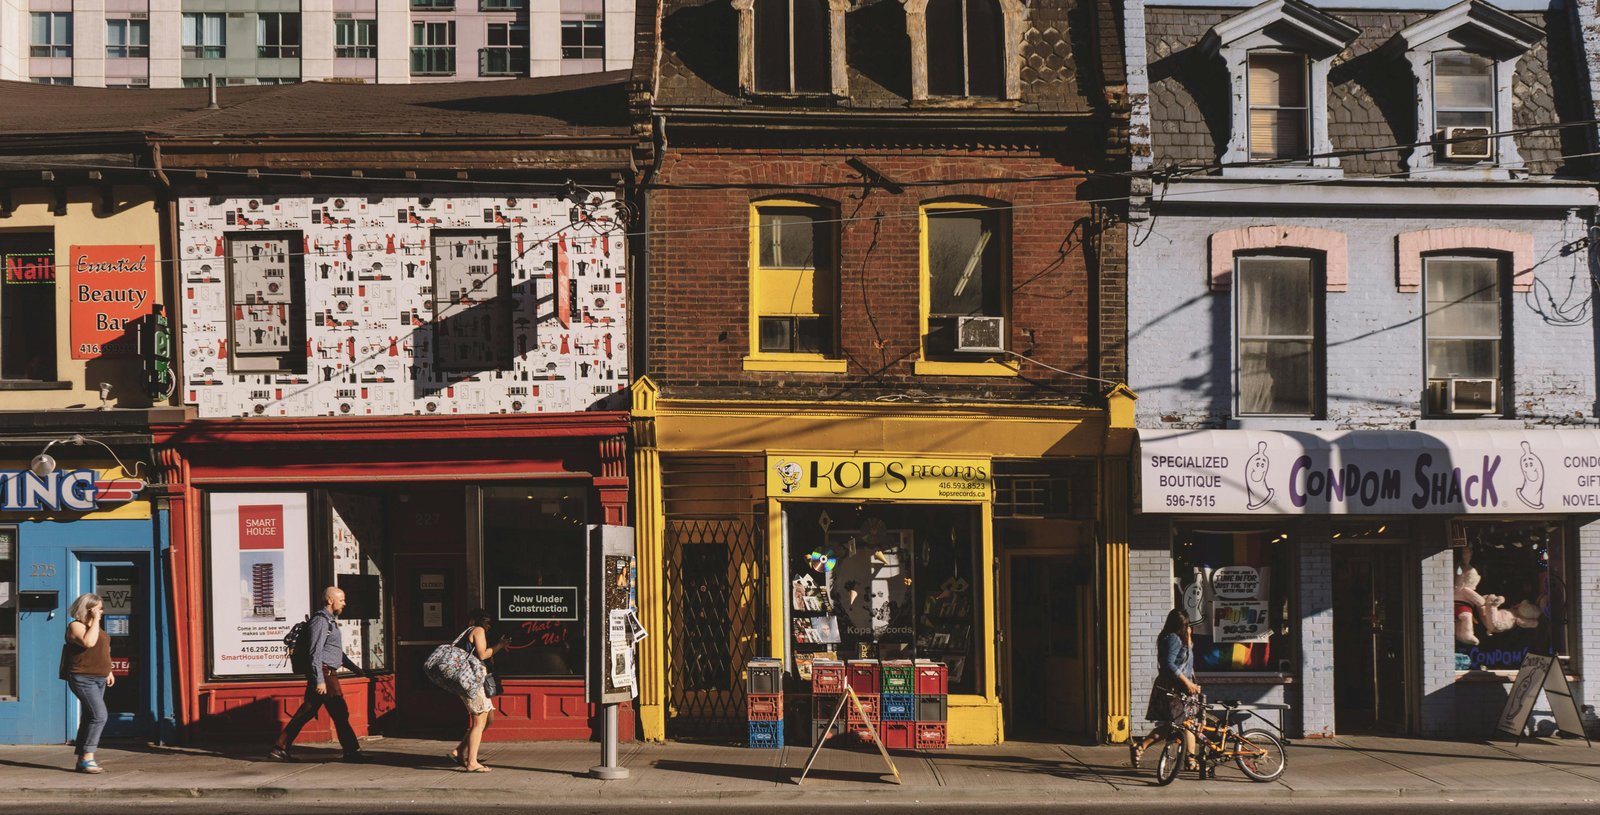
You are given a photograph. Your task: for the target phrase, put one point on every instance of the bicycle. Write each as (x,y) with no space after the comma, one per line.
(1218,738)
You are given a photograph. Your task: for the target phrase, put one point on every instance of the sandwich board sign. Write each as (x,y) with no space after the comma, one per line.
(1540,672)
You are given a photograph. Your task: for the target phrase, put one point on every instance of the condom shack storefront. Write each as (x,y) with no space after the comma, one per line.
(1371,581)
(984,537)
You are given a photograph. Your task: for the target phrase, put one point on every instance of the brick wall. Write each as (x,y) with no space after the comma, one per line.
(697,287)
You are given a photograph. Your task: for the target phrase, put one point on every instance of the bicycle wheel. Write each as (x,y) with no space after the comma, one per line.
(1170,762)
(1259,754)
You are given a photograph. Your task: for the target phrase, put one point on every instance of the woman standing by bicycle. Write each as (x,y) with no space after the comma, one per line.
(1168,707)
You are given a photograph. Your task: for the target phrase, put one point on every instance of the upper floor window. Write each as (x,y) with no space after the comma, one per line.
(472,300)
(1463,319)
(277,35)
(1279,336)
(792,46)
(28,307)
(1279,109)
(1463,96)
(965,288)
(51,35)
(507,52)
(266,294)
(793,287)
(583,36)
(355,39)
(964,37)
(127,38)
(433,48)
(205,36)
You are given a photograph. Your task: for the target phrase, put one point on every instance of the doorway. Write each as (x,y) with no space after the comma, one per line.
(1370,622)
(1045,686)
(431,599)
(123,583)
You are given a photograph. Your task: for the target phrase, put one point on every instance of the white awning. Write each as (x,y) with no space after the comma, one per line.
(1370,472)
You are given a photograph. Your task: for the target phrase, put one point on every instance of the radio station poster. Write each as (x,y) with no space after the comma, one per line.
(111,288)
(260,579)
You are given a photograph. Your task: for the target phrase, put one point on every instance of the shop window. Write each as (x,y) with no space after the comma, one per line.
(792,46)
(277,35)
(28,308)
(1279,110)
(8,613)
(965,35)
(1235,582)
(1279,336)
(882,581)
(1510,593)
(205,36)
(356,523)
(266,292)
(964,258)
(1463,319)
(793,289)
(472,300)
(534,544)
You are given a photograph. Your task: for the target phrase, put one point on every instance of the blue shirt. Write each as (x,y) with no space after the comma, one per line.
(327,646)
(1174,658)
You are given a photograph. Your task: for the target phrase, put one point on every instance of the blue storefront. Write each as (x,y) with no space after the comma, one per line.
(62,534)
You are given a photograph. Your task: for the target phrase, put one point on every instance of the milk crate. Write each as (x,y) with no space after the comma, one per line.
(869,703)
(820,727)
(822,707)
(862,675)
(933,708)
(896,735)
(764,707)
(766,735)
(897,677)
(897,707)
(932,678)
(929,735)
(827,676)
(763,676)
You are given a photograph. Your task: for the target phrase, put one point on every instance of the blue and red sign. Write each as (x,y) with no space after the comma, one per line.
(64,491)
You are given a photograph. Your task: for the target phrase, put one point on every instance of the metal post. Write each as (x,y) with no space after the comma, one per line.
(609,769)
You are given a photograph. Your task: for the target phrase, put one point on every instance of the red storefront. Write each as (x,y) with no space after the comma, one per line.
(419,519)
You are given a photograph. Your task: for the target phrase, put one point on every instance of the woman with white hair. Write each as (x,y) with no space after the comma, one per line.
(86,665)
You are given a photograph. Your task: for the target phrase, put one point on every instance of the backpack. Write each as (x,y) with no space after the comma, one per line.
(298,644)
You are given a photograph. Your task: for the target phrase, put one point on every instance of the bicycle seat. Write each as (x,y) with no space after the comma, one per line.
(1230,703)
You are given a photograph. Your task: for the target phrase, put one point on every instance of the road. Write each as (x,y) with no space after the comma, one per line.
(1297,807)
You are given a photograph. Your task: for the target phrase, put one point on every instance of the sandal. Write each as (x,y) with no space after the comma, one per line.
(1135,753)
(455,758)
(478,769)
(90,766)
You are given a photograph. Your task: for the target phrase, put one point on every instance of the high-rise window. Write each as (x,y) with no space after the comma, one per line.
(1279,110)
(964,48)
(51,34)
(1278,330)
(127,38)
(433,48)
(277,35)
(205,36)
(583,36)
(507,53)
(355,39)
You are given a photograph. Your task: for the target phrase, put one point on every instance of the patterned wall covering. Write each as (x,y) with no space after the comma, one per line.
(548,336)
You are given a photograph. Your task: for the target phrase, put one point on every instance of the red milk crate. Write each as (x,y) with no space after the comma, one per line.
(929,735)
(764,707)
(869,703)
(827,677)
(862,734)
(896,735)
(932,678)
(863,675)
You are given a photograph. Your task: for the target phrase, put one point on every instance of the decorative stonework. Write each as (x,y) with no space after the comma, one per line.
(1015,15)
(839,77)
(1413,245)
(1334,247)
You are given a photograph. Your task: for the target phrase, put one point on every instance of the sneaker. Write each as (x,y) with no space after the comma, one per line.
(357,757)
(279,754)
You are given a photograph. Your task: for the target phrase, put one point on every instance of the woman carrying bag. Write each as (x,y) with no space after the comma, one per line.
(475,641)
(86,666)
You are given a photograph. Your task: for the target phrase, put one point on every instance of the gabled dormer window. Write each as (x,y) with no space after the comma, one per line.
(965,49)
(1277,56)
(792,47)
(1463,60)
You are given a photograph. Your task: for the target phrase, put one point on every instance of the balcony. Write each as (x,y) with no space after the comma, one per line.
(503,61)
(433,60)
(433,5)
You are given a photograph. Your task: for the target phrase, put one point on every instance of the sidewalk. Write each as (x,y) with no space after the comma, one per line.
(417,772)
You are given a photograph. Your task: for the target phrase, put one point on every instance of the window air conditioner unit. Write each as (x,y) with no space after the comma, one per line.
(1475,143)
(985,334)
(1464,396)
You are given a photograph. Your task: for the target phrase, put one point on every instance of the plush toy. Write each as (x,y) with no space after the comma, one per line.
(1468,603)
(1496,619)
(1528,613)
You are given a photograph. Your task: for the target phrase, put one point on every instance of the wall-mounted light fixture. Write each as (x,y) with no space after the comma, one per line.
(44,464)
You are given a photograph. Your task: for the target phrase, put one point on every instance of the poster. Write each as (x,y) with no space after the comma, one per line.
(112,287)
(260,579)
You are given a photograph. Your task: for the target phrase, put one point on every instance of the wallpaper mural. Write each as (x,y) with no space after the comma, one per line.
(326,306)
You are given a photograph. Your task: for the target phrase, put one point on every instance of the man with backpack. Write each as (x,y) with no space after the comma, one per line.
(325,652)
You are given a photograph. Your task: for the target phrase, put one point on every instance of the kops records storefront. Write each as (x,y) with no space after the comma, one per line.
(1373,581)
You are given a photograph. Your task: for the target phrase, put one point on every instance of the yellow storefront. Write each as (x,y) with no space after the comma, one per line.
(988,537)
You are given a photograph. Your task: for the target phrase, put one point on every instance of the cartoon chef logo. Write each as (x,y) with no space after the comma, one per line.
(790,473)
(1532,490)
(1255,478)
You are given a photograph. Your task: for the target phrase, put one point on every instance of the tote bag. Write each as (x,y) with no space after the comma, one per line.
(453,669)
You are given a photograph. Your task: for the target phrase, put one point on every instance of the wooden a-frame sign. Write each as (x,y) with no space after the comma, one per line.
(1541,673)
(849,698)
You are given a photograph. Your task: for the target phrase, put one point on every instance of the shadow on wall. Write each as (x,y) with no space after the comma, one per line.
(599,106)
(878,45)
(1206,82)
(705,38)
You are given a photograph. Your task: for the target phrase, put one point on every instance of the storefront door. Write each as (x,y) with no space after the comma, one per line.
(429,611)
(1369,650)
(1045,689)
(124,587)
